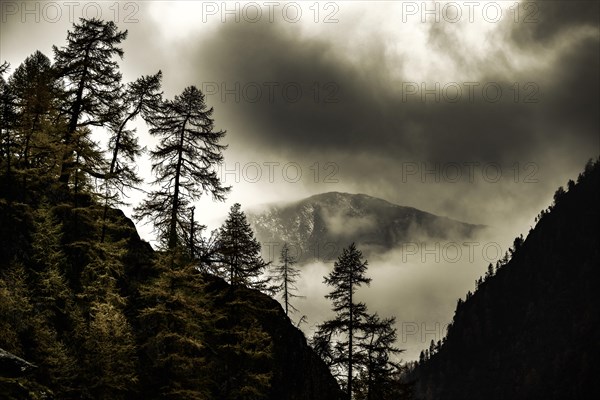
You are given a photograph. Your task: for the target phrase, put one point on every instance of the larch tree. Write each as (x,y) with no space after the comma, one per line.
(347,275)
(34,88)
(377,349)
(140,97)
(91,82)
(184,164)
(8,116)
(285,277)
(239,252)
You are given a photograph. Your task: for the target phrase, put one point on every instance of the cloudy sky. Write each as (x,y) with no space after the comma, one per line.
(473,110)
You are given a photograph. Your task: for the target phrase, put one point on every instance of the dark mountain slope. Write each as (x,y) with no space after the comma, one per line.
(298,373)
(532,330)
(321,225)
(88,316)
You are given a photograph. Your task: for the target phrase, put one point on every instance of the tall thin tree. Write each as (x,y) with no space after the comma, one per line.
(285,278)
(184,164)
(33,86)
(8,116)
(239,252)
(377,349)
(139,97)
(91,79)
(347,275)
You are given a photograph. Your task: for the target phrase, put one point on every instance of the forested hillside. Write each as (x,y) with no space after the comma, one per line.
(87,309)
(531,329)
(118,320)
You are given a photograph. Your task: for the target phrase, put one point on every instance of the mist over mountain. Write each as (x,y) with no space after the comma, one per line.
(318,227)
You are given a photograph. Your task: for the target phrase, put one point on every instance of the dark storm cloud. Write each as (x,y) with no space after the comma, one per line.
(546,19)
(571,102)
(350,100)
(375,114)
(574,86)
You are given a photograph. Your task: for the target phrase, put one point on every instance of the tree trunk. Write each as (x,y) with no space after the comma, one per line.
(113,164)
(350,335)
(285,283)
(175,209)
(192,233)
(67,164)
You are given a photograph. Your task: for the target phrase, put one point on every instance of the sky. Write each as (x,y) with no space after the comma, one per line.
(476,111)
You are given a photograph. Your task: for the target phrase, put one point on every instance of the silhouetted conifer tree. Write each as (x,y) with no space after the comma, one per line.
(91,81)
(184,163)
(239,252)
(377,366)
(140,97)
(285,278)
(347,275)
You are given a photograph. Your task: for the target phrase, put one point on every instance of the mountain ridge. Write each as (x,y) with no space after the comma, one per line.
(364,195)
(320,225)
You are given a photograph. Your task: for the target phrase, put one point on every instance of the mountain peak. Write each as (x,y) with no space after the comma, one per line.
(335,219)
(344,196)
